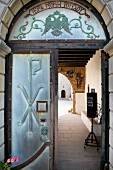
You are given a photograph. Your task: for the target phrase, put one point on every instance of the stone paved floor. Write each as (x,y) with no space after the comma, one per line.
(71,136)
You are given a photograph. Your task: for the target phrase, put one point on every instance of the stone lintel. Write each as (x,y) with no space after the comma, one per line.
(109,48)
(4,49)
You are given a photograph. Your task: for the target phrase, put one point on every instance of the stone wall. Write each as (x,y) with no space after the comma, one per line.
(8,9)
(109,49)
(4,50)
(2,72)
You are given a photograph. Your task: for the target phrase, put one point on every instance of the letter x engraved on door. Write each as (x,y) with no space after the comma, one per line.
(30,110)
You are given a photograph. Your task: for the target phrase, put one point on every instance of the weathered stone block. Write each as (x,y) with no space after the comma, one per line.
(107,15)
(1,118)
(2,83)
(89,1)
(26,1)
(106,1)
(2,65)
(15,6)
(8,16)
(1,100)
(2,148)
(111,101)
(111,65)
(1,136)
(4,49)
(111,156)
(111,119)
(110,167)
(110,6)
(110,29)
(3,31)
(109,48)
(2,9)
(111,83)
(5,1)
(111,137)
(99,5)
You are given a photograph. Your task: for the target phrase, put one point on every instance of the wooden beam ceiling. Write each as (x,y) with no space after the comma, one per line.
(74,58)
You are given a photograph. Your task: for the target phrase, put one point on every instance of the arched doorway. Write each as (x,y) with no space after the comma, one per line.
(63,94)
(42,44)
(64,87)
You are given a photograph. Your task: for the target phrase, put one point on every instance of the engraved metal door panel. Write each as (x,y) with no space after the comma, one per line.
(31,107)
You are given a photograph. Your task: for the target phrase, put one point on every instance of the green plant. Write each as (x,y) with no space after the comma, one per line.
(7,165)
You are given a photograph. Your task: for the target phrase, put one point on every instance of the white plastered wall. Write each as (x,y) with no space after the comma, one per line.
(93,78)
(64,84)
(80,102)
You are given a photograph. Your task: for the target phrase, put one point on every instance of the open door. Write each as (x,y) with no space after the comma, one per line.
(33,136)
(105,109)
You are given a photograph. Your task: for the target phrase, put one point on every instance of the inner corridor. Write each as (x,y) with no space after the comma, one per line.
(71,136)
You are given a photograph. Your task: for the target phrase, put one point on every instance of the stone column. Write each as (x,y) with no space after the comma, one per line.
(74,102)
(4,50)
(109,49)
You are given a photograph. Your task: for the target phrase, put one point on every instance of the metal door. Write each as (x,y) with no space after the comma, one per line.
(31,110)
(105,109)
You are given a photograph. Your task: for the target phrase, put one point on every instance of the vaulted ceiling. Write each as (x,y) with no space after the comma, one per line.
(74,58)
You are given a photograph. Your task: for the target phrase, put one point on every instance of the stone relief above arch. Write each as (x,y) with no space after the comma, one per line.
(57,20)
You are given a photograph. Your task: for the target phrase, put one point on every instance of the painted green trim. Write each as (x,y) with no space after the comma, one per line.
(56,22)
(90,28)
(23,29)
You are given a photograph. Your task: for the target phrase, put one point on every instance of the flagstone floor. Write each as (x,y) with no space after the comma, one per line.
(71,136)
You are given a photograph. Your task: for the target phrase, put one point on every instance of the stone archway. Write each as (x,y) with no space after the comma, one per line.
(76,76)
(8,11)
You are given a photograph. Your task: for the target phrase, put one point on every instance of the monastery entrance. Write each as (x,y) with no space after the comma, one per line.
(46,38)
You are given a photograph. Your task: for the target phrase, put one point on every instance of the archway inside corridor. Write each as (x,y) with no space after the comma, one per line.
(64,87)
(65,104)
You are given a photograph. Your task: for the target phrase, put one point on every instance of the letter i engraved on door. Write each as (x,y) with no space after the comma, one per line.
(28,94)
